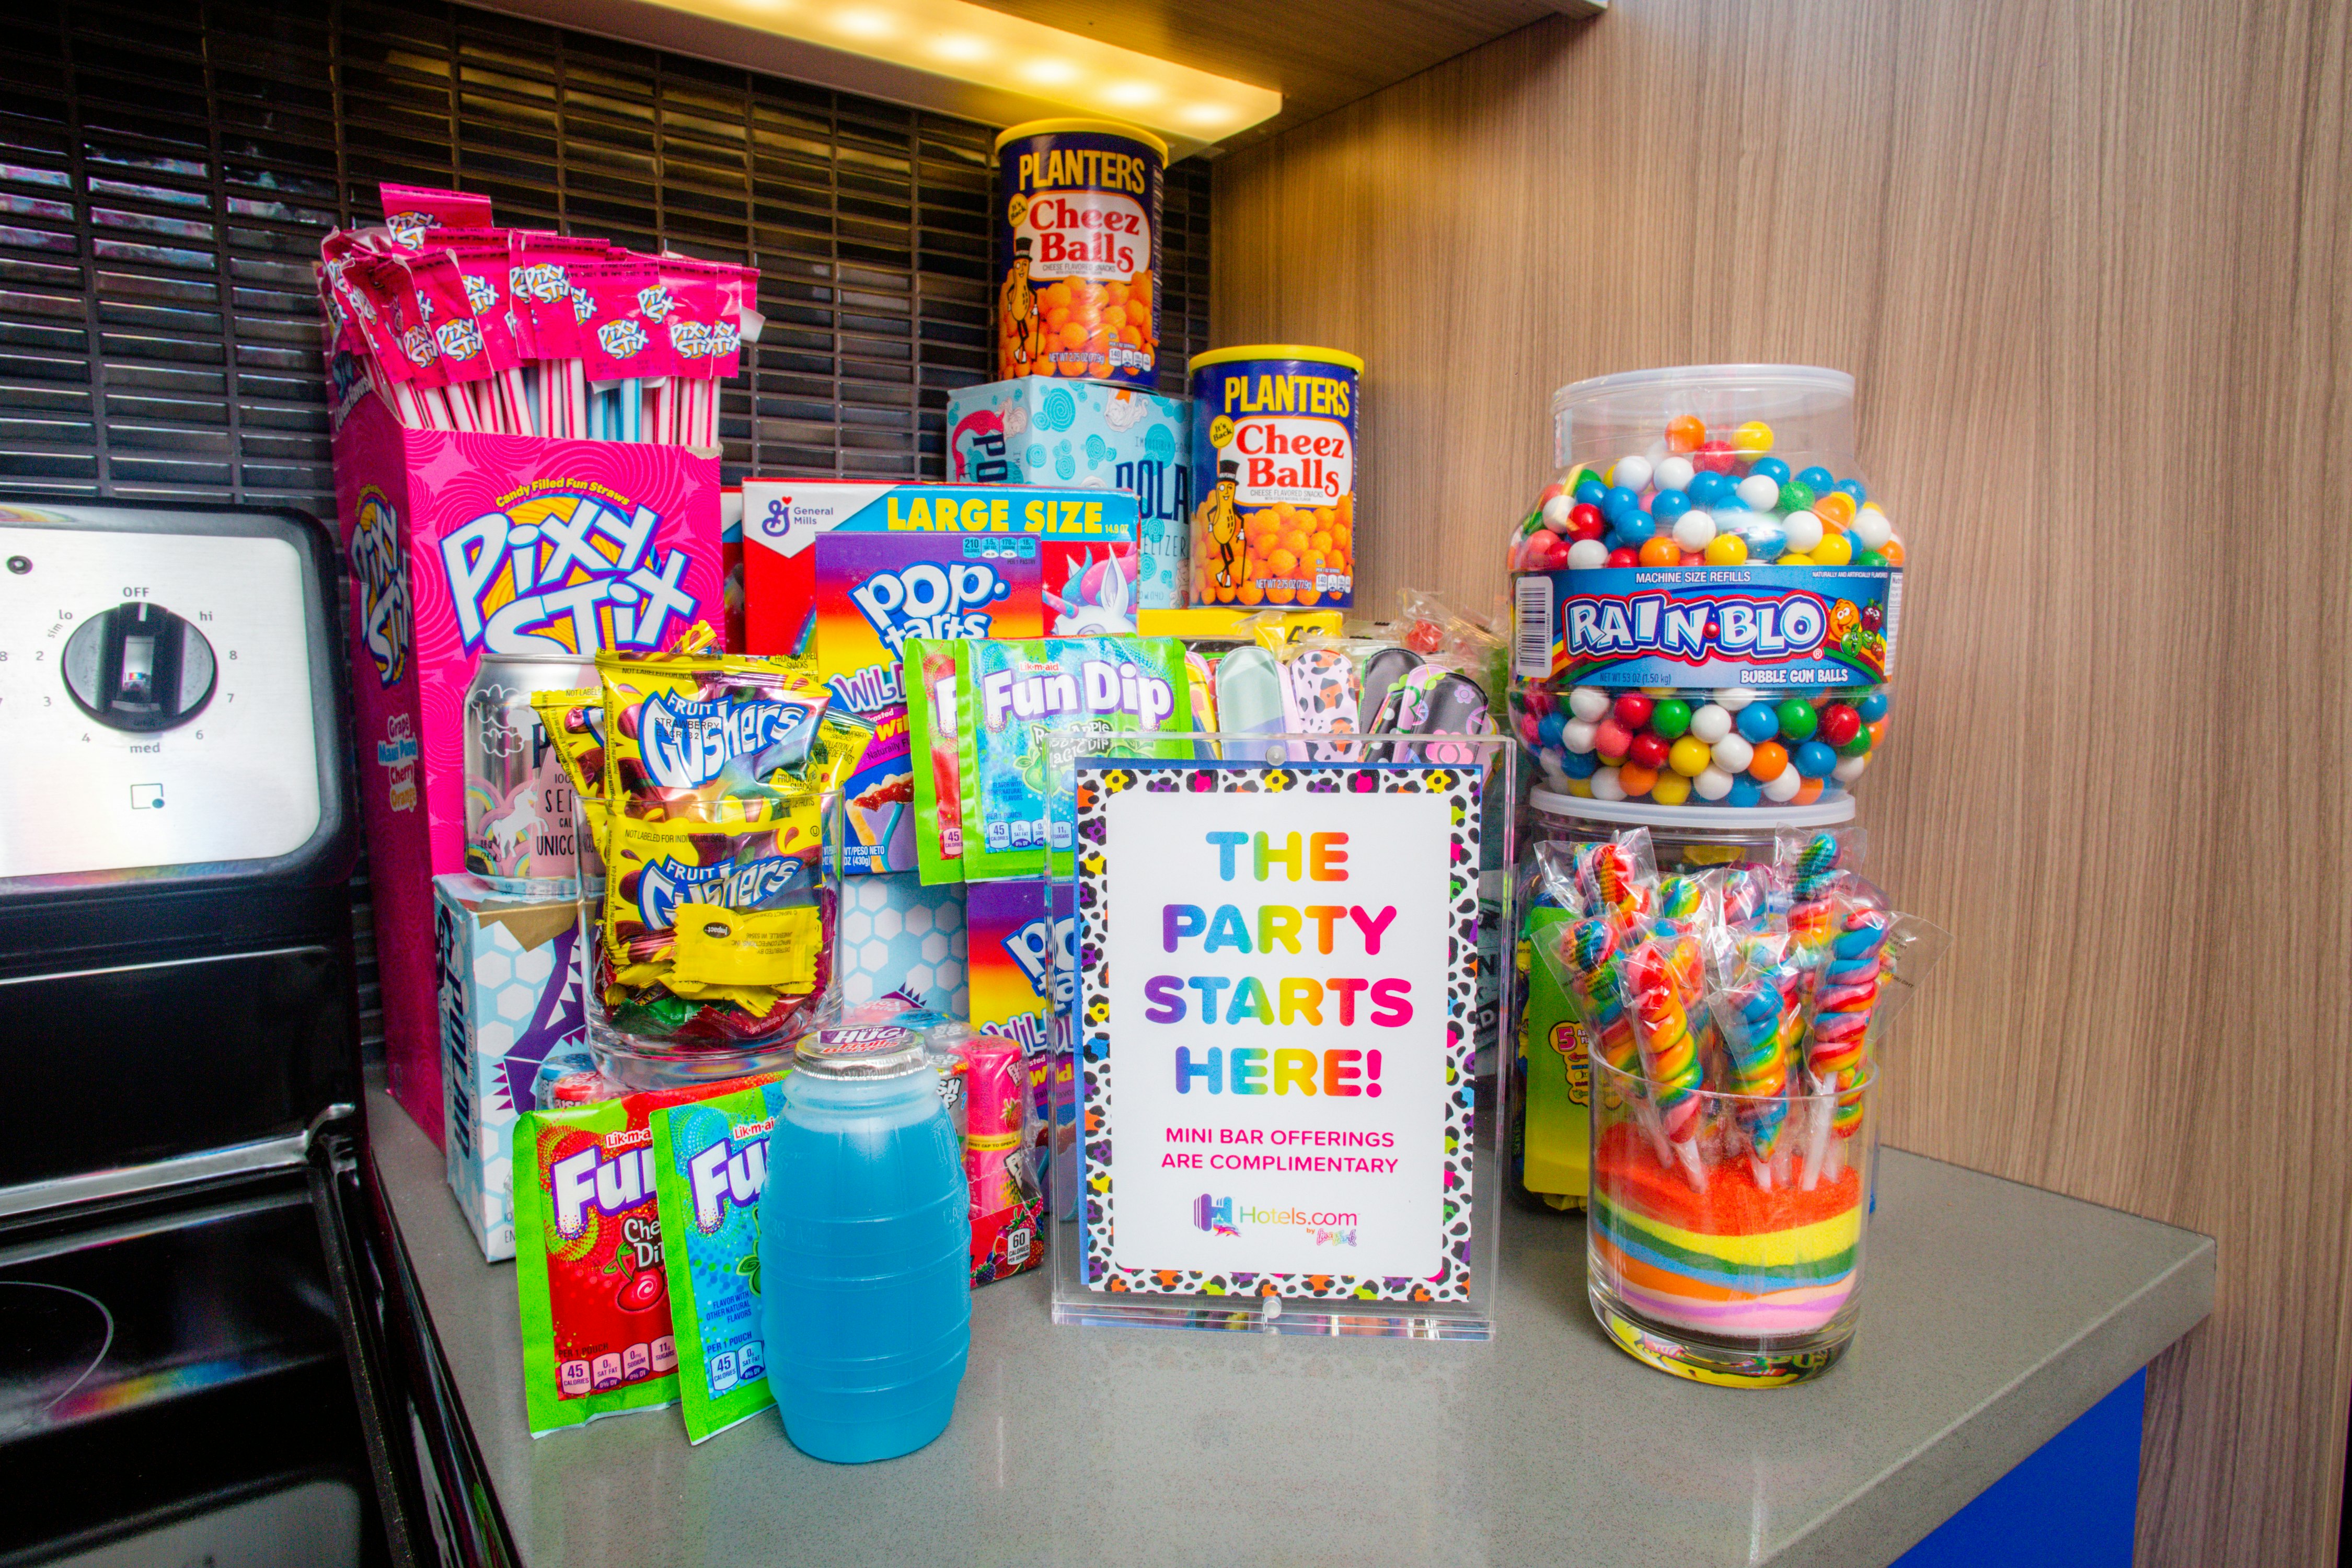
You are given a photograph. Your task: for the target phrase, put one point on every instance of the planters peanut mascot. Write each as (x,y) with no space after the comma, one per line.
(1225,528)
(1019,305)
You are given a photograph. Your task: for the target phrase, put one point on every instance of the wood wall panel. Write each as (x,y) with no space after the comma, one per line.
(2092,264)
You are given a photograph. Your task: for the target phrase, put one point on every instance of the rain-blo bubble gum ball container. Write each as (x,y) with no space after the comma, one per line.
(1738,1262)
(1707,599)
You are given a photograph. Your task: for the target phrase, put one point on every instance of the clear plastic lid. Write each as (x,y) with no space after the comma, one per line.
(1810,409)
(1744,819)
(861,1050)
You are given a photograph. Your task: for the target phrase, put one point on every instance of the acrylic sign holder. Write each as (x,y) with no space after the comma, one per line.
(1297,1302)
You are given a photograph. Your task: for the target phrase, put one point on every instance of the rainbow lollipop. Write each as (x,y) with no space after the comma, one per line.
(1589,948)
(1588,954)
(1844,995)
(1759,1044)
(1669,1055)
(1815,864)
(1681,917)
(1745,898)
(1615,876)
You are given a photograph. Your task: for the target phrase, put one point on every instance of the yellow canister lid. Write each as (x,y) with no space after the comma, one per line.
(1277,350)
(1100,127)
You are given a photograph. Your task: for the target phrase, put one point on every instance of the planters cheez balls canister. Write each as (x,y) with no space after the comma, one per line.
(1077,251)
(1274,475)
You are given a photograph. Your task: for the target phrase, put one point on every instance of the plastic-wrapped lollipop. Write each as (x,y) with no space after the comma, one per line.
(1759,1028)
(1620,878)
(1747,899)
(1669,1054)
(1844,996)
(1684,917)
(1817,864)
(1585,956)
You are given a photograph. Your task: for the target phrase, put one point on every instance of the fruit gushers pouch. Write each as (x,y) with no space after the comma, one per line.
(932,739)
(589,1277)
(710,1162)
(686,730)
(1027,710)
(574,723)
(715,931)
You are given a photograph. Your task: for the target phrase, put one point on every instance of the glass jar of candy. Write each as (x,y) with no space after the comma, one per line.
(1545,1131)
(1706,599)
(1725,1238)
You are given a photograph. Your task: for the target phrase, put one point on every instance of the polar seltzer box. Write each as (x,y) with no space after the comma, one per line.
(847,571)
(462,545)
(512,989)
(1037,430)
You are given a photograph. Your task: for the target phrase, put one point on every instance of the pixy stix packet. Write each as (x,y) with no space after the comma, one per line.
(1025,711)
(710,1163)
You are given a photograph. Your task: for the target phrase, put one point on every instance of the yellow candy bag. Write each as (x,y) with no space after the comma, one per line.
(715,930)
(574,723)
(686,731)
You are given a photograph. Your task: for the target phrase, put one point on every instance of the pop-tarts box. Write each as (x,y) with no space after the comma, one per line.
(847,570)
(462,544)
(511,990)
(1039,430)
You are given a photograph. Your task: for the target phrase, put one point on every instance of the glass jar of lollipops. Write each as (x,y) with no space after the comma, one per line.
(1726,1246)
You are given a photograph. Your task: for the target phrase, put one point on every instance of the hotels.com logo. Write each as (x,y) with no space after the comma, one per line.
(1221,1217)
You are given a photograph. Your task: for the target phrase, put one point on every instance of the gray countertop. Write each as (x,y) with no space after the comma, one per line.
(1993,1315)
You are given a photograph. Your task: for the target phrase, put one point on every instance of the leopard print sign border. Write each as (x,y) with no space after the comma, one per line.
(1095,783)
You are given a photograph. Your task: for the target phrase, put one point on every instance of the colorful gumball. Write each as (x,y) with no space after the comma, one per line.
(1759,722)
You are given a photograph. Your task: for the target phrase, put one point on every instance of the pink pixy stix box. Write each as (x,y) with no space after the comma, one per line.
(461,545)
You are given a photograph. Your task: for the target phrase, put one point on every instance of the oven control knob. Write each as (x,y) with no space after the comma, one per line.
(139,667)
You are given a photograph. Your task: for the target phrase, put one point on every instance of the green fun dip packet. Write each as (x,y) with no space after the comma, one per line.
(1026,710)
(710,1162)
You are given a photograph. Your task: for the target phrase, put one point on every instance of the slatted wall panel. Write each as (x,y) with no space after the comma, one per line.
(166,169)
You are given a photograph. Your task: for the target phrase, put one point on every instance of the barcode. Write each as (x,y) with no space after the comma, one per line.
(1531,626)
(1894,618)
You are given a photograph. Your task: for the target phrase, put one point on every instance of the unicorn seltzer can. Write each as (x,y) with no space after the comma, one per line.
(521,822)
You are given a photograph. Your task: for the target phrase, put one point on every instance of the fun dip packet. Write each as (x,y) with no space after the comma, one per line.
(1026,710)
(590,1282)
(710,1163)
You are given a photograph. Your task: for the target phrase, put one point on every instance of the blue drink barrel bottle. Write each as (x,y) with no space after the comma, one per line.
(865,1232)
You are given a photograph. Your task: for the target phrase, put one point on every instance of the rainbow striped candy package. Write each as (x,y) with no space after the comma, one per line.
(1025,711)
(710,1163)
(1039,430)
